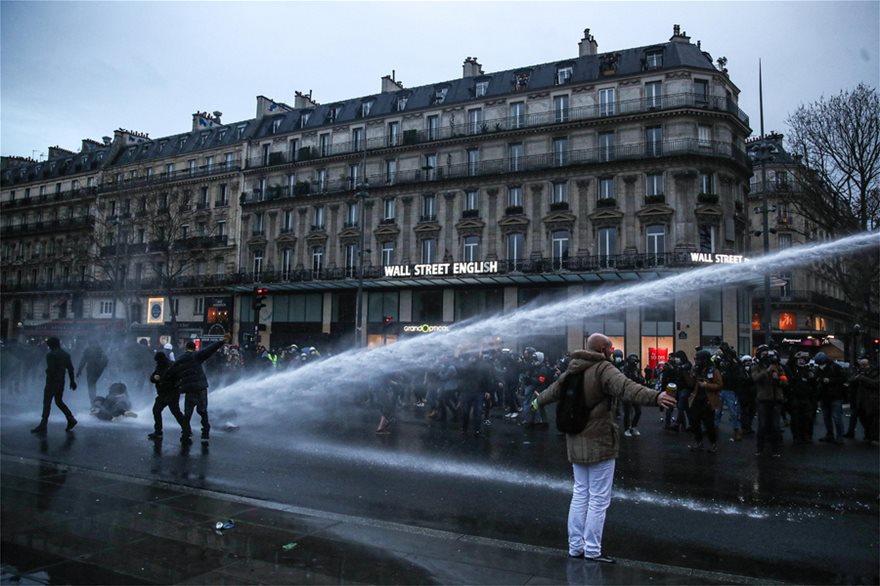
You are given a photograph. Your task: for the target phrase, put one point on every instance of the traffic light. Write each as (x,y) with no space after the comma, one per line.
(387,321)
(875,345)
(259,298)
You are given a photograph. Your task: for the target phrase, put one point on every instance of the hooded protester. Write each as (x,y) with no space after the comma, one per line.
(58,364)
(115,405)
(675,372)
(166,396)
(829,382)
(189,378)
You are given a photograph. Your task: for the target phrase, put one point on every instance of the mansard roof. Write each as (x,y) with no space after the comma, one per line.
(542,77)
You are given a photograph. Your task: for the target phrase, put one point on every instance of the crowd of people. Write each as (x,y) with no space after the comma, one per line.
(760,395)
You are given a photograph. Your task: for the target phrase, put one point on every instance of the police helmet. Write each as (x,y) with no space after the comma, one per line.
(821,358)
(633,358)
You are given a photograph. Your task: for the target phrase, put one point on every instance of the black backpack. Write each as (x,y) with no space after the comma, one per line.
(572,413)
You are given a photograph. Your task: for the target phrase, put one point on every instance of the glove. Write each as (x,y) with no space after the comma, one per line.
(72,386)
(534,404)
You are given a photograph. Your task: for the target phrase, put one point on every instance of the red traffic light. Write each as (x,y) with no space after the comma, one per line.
(261,291)
(387,320)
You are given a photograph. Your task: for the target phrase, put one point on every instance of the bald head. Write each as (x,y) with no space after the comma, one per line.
(599,343)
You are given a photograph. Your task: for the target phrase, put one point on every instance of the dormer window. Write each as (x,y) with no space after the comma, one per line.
(481,88)
(333,113)
(182,143)
(241,131)
(276,124)
(222,134)
(203,139)
(365,108)
(304,119)
(654,59)
(401,102)
(521,80)
(440,95)
(563,74)
(162,144)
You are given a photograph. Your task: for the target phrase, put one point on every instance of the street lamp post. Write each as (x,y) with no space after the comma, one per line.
(763,155)
(362,194)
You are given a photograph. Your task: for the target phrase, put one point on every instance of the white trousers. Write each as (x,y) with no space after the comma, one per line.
(589,502)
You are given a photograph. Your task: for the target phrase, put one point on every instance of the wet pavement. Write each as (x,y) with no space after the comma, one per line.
(68,525)
(426,504)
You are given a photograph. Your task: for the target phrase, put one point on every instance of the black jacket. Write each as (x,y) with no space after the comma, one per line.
(58,364)
(187,373)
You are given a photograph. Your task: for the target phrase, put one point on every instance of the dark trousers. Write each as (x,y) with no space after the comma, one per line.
(701,415)
(635,411)
(471,405)
(769,429)
(51,392)
(871,423)
(199,402)
(747,407)
(173,404)
(803,413)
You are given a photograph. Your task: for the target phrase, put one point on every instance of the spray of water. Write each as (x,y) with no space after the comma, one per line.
(310,385)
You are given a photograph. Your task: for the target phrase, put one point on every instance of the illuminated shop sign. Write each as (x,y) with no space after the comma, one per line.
(442,269)
(425,329)
(713,258)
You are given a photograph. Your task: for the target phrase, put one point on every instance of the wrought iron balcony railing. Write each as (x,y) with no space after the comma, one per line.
(592,156)
(178,175)
(507,123)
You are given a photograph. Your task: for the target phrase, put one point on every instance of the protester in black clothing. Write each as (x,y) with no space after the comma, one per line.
(801,398)
(115,405)
(746,396)
(188,376)
(94,361)
(829,382)
(632,412)
(166,396)
(58,364)
(475,383)
(677,371)
(706,388)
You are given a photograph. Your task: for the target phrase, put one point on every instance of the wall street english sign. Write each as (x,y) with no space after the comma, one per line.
(443,269)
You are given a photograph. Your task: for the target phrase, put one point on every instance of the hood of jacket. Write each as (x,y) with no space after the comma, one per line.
(584,359)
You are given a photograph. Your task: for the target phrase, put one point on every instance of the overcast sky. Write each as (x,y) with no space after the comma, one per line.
(74,70)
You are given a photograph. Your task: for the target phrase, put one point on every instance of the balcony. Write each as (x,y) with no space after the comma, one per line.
(513,210)
(655,199)
(69,195)
(509,123)
(801,297)
(33,228)
(470,214)
(707,198)
(559,206)
(606,202)
(496,167)
(179,175)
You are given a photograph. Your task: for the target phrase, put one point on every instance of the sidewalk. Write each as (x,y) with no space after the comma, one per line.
(63,524)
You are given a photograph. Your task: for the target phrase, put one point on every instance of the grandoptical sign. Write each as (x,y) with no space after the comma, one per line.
(714,257)
(443,269)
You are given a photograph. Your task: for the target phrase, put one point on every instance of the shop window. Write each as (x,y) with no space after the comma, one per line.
(427,306)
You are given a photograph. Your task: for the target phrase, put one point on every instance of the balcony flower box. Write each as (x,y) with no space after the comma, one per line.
(558,206)
(709,198)
(470,214)
(513,210)
(655,199)
(606,202)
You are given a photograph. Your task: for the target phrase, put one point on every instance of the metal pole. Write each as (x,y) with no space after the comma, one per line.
(361,194)
(359,301)
(764,152)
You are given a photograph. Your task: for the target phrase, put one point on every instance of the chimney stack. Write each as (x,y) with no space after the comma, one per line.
(203,120)
(471,68)
(389,84)
(587,45)
(56,152)
(301,100)
(679,36)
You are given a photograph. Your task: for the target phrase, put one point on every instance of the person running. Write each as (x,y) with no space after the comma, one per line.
(166,396)
(58,364)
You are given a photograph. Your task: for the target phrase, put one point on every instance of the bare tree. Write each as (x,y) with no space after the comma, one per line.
(838,188)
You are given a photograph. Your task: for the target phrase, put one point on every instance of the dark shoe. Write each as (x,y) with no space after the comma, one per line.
(776,455)
(156,435)
(186,439)
(602,559)
(826,439)
(205,436)
(40,429)
(849,435)
(577,556)
(759,453)
(713,448)
(696,447)
(71,424)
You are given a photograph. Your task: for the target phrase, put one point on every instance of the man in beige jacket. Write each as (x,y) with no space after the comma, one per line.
(593,451)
